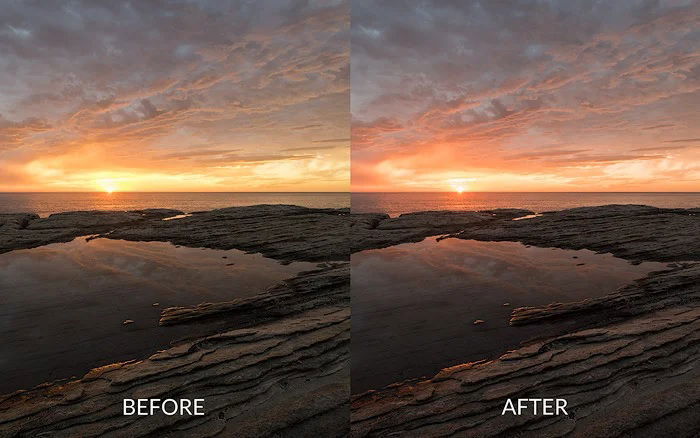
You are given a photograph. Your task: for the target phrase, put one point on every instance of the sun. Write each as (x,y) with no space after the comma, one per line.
(108,186)
(460,185)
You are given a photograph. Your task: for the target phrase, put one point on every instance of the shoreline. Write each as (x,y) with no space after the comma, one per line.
(300,333)
(278,364)
(643,336)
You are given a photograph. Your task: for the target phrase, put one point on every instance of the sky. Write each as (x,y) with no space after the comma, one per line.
(174,96)
(525,95)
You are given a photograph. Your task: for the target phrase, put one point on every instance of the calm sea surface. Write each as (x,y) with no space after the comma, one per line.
(46,203)
(391,203)
(397,203)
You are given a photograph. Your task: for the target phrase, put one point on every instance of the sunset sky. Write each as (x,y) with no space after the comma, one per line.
(174,96)
(525,95)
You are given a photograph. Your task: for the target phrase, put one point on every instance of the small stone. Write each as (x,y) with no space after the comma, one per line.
(479,321)
(506,304)
(155,304)
(128,321)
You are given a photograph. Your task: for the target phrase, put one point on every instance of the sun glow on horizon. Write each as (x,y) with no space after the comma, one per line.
(460,185)
(107,185)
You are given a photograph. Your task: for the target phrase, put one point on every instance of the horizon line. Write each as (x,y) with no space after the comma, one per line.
(526,191)
(336,192)
(151,191)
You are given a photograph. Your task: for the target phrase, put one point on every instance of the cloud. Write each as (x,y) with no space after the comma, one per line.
(684,140)
(659,148)
(332,140)
(659,126)
(314,125)
(488,87)
(197,153)
(544,154)
(139,87)
(14,134)
(310,148)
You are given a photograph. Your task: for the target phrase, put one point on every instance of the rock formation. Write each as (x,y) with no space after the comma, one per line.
(280,366)
(634,371)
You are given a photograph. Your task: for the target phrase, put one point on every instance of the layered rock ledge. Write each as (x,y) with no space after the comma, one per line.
(281,368)
(285,378)
(284,232)
(634,371)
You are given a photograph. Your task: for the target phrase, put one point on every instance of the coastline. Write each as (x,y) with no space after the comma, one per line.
(282,363)
(278,365)
(643,338)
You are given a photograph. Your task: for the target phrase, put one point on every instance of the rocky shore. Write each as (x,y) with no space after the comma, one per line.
(280,366)
(282,232)
(634,370)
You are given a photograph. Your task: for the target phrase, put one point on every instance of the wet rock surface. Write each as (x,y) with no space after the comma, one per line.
(635,371)
(27,230)
(282,232)
(633,232)
(282,366)
(326,286)
(375,230)
(636,378)
(278,367)
(286,378)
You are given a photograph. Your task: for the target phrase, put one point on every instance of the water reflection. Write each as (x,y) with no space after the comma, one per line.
(414,305)
(62,305)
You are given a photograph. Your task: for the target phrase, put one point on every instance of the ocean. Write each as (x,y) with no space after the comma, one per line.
(44,204)
(391,203)
(397,203)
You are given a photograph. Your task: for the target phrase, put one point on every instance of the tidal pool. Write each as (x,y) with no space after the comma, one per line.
(62,306)
(414,305)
